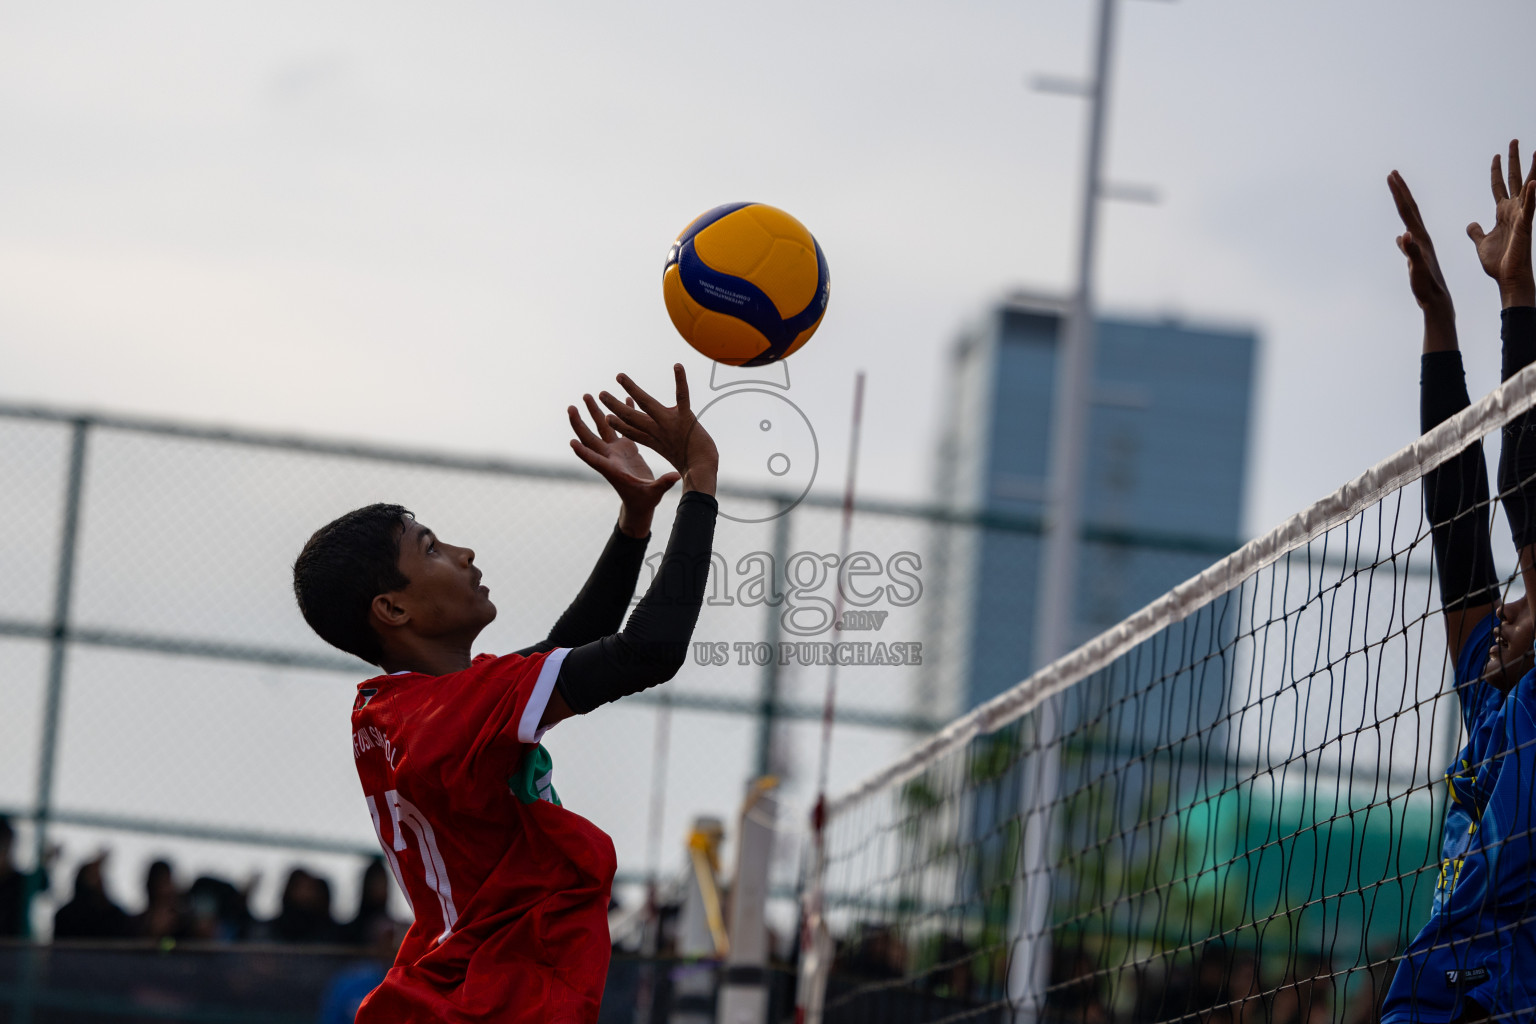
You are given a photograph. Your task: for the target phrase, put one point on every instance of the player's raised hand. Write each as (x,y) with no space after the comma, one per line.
(1505,250)
(619,462)
(1424,276)
(671,431)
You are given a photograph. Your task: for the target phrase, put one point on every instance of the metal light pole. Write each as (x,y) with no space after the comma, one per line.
(1056,599)
(1072,394)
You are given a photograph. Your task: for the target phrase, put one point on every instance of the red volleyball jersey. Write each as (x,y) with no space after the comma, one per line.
(509,889)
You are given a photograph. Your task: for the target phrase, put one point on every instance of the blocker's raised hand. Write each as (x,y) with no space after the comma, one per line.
(620,463)
(1505,251)
(671,431)
(1424,276)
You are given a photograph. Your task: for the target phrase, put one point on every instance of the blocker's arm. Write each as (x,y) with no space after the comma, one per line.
(1505,253)
(1456,501)
(1517,459)
(653,645)
(1456,492)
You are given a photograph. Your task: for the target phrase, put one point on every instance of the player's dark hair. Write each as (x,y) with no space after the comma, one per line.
(343,567)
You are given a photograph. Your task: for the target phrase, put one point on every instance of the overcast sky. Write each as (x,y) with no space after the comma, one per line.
(437,225)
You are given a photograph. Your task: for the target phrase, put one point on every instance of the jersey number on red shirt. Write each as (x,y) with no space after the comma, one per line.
(404,813)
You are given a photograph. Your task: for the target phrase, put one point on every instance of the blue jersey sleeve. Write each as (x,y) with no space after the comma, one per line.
(1478,699)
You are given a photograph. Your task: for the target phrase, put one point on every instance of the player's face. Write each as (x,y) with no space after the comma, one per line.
(445,596)
(1511,655)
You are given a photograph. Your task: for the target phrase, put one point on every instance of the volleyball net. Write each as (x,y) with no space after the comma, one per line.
(1226,807)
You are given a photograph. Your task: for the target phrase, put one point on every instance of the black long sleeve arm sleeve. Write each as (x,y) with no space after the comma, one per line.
(600,606)
(1456,492)
(654,643)
(1517,456)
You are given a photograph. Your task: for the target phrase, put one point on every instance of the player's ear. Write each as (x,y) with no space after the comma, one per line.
(386,611)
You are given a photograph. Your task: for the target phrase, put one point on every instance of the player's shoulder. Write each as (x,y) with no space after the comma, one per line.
(418,688)
(486,666)
(1522,702)
(1474,650)
(369,693)
(1481,700)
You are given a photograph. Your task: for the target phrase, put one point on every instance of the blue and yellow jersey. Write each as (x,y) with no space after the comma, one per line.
(1480,941)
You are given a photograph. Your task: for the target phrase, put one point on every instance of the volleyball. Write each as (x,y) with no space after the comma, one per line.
(746,284)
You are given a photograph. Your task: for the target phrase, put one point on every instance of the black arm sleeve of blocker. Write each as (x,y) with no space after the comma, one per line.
(654,644)
(1517,457)
(599,609)
(1456,492)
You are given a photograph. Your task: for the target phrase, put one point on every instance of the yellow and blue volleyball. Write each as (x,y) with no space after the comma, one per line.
(746,284)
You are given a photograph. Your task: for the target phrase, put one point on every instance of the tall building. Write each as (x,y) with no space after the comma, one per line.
(1167,453)
(1148,785)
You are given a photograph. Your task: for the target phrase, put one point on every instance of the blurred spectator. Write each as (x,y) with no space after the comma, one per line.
(349,986)
(952,977)
(877,953)
(216,911)
(162,917)
(305,915)
(1164,989)
(1317,996)
(372,920)
(15,899)
(91,914)
(1074,993)
(1243,989)
(1360,992)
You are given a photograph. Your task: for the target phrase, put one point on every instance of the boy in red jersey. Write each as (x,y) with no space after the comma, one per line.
(509,889)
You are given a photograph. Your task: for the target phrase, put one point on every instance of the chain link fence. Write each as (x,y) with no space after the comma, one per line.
(162,694)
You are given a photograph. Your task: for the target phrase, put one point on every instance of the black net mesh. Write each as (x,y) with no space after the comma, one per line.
(1236,814)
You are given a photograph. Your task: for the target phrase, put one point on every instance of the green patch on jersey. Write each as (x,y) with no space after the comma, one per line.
(532,780)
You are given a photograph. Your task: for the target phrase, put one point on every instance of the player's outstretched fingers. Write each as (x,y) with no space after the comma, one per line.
(680,377)
(1514,167)
(625,412)
(634,433)
(601,420)
(639,394)
(1476,233)
(579,426)
(628,420)
(1407,206)
(1500,190)
(589,456)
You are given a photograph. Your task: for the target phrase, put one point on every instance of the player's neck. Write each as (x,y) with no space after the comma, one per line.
(431,656)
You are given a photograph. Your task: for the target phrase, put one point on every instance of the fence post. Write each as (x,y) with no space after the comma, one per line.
(59,642)
(31,968)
